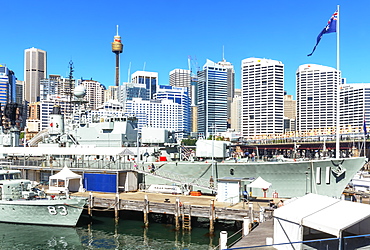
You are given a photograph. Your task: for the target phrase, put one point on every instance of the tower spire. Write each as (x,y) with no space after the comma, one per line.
(117,49)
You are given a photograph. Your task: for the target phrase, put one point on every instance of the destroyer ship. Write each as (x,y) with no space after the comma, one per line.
(112,143)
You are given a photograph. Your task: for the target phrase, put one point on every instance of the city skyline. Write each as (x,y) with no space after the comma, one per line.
(161,37)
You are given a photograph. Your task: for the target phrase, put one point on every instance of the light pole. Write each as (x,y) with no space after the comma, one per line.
(137,145)
(213,148)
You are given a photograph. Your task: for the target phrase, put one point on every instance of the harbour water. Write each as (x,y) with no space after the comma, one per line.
(103,233)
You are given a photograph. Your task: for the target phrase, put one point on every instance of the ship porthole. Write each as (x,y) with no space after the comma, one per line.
(232,171)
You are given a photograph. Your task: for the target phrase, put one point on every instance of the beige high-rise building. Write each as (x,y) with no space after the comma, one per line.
(236,112)
(34,71)
(94,93)
(290,107)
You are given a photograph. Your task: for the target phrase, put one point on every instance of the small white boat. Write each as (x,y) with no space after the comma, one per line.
(20,203)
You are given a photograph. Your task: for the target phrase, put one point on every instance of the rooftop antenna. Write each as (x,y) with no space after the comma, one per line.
(71,69)
(144,66)
(223,53)
(128,73)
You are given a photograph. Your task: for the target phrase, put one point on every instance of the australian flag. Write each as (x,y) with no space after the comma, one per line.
(329,28)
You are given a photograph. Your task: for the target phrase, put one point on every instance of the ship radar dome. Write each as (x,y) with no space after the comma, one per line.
(80,91)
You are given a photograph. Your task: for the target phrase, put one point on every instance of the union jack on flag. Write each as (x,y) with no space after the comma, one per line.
(329,28)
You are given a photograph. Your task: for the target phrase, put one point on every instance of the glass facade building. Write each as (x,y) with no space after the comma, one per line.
(212,99)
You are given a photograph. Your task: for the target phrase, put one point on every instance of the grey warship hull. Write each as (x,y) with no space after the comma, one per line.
(289,179)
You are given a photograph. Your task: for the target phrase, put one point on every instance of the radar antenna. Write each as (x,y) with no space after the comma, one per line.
(71,69)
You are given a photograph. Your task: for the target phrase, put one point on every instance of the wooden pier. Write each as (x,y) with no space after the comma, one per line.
(182,207)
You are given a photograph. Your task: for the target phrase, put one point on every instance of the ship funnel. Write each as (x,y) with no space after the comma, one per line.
(56,124)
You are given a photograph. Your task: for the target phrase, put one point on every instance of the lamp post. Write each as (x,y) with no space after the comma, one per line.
(213,147)
(137,145)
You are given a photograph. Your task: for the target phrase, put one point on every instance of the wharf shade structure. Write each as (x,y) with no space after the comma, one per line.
(322,213)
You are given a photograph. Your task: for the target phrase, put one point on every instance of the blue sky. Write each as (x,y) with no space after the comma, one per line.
(162,34)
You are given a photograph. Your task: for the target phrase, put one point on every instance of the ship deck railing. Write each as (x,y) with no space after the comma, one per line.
(143,168)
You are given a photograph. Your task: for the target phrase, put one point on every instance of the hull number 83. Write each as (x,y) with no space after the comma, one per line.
(62,210)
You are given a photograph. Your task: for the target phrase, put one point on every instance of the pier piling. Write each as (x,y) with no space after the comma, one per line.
(212,217)
(177,214)
(116,208)
(90,205)
(146,211)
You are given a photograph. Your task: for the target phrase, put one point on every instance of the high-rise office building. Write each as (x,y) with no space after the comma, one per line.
(111,93)
(179,95)
(128,91)
(180,78)
(316,96)
(150,79)
(290,113)
(354,105)
(236,111)
(19,86)
(162,113)
(230,84)
(34,71)
(94,93)
(56,86)
(263,97)
(7,85)
(212,98)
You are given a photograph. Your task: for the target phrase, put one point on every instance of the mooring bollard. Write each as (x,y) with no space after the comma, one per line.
(223,240)
(251,211)
(262,214)
(246,226)
(269,240)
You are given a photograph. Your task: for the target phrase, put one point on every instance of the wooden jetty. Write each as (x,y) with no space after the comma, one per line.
(182,207)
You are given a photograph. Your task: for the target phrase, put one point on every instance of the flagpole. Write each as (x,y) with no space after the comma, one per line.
(337,143)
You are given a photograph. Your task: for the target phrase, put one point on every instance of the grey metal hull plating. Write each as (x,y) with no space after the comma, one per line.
(42,212)
(288,179)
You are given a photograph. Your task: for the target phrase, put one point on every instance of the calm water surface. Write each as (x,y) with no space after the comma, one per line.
(102,233)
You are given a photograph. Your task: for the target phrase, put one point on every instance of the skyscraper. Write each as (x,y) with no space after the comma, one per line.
(230,84)
(316,96)
(290,113)
(179,95)
(262,97)
(7,85)
(94,92)
(236,111)
(354,105)
(150,79)
(212,98)
(34,71)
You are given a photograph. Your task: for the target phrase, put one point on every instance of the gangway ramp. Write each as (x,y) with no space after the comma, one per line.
(179,179)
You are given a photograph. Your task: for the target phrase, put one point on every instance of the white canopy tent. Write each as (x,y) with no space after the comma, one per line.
(259,183)
(65,181)
(324,214)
